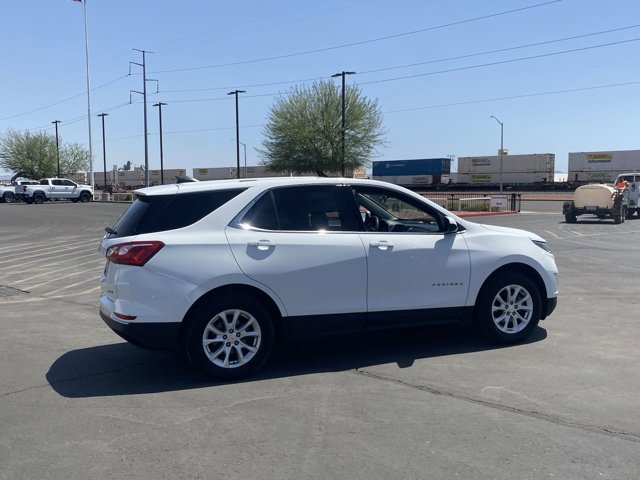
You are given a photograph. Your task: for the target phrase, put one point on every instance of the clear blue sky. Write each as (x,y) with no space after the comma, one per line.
(204,49)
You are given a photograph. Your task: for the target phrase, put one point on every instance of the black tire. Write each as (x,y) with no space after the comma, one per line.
(225,346)
(503,319)
(28,200)
(85,197)
(8,197)
(570,217)
(38,198)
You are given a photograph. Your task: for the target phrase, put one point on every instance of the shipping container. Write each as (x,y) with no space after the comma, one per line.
(516,169)
(507,178)
(602,166)
(170,175)
(408,180)
(415,167)
(135,178)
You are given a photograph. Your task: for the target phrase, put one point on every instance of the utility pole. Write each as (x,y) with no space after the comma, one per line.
(344,118)
(236,92)
(501,147)
(144,96)
(56,122)
(86,55)
(104,151)
(159,105)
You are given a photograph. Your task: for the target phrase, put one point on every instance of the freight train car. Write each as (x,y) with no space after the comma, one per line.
(413,173)
(529,169)
(585,167)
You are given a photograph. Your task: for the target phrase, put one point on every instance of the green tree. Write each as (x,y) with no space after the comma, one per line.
(304,130)
(33,155)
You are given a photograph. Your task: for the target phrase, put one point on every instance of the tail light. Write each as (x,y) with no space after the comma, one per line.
(133,253)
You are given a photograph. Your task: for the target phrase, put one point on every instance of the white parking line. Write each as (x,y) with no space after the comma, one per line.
(45,251)
(551,233)
(99,262)
(66,287)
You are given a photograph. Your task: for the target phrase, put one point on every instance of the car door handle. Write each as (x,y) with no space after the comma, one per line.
(262,244)
(381,245)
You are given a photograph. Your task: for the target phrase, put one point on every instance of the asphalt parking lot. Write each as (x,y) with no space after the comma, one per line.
(76,402)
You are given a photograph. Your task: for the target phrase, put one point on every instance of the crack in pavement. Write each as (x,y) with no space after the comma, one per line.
(558,420)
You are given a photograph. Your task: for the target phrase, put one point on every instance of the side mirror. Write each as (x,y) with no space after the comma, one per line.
(449,224)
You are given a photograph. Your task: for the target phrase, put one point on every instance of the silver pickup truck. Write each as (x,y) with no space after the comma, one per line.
(56,189)
(13,192)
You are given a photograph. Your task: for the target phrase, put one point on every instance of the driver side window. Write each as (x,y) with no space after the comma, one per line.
(389,211)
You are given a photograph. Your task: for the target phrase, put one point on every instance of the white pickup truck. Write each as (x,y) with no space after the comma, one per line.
(11,193)
(56,189)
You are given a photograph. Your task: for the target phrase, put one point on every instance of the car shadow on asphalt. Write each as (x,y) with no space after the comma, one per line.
(123,369)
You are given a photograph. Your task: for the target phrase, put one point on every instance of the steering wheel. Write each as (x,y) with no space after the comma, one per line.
(372,223)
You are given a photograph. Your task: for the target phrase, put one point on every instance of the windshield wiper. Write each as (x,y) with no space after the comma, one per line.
(110,231)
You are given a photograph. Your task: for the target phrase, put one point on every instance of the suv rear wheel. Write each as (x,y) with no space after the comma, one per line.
(38,198)
(230,338)
(508,309)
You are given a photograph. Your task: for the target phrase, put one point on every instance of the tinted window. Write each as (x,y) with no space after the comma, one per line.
(157,213)
(304,209)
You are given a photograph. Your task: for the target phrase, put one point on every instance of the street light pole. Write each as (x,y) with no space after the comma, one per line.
(159,105)
(344,118)
(501,147)
(236,92)
(104,151)
(56,122)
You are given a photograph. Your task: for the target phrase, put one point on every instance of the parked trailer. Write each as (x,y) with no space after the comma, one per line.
(603,201)
(602,166)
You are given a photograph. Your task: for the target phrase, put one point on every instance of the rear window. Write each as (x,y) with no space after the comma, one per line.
(157,213)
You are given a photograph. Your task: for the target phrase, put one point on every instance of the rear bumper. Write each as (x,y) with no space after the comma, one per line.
(156,336)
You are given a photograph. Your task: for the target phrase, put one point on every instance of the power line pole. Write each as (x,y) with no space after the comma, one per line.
(236,92)
(144,97)
(344,118)
(86,54)
(159,105)
(104,151)
(56,122)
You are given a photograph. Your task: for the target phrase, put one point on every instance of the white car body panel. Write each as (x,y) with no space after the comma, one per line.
(312,273)
(437,265)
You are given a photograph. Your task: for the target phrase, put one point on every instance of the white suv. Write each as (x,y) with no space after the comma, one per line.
(222,269)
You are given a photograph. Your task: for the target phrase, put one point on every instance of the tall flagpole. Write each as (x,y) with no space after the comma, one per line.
(86,50)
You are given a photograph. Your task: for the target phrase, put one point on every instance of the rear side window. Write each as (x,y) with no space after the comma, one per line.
(157,213)
(310,208)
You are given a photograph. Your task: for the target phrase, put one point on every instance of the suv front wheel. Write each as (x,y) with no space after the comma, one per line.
(508,309)
(230,338)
